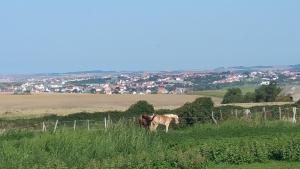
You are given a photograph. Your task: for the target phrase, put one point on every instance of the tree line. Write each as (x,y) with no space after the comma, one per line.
(265,93)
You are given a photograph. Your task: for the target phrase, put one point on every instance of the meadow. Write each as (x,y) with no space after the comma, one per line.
(231,144)
(221,92)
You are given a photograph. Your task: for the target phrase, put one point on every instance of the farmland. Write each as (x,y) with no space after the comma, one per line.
(232,144)
(63,104)
(36,105)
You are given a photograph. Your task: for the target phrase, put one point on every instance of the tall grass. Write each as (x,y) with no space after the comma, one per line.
(124,145)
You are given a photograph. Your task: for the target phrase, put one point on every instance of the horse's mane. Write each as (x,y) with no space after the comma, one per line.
(171,115)
(148,118)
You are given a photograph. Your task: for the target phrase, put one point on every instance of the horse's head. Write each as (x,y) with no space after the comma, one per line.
(176,119)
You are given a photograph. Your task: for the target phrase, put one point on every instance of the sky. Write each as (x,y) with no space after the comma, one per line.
(71,35)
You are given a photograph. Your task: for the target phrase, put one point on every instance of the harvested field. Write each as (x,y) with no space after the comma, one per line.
(63,104)
(36,105)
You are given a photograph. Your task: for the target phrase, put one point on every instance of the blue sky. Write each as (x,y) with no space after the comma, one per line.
(60,36)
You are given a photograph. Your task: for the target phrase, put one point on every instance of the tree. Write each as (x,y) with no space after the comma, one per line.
(267,93)
(233,95)
(141,107)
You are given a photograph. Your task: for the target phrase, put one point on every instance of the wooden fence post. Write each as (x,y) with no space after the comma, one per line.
(236,112)
(105,124)
(44,127)
(265,113)
(294,115)
(74,125)
(279,113)
(221,115)
(248,113)
(213,118)
(55,127)
(88,123)
(108,121)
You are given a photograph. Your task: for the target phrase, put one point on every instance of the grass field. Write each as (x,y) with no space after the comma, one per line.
(63,104)
(232,144)
(221,92)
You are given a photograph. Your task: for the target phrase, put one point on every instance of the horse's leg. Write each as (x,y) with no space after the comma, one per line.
(167,127)
(153,126)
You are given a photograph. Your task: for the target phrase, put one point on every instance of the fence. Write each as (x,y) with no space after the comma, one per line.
(217,116)
(284,114)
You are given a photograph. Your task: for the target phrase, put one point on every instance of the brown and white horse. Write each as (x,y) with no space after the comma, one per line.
(165,119)
(145,120)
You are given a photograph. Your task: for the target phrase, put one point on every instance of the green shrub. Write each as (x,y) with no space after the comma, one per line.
(198,110)
(233,95)
(141,107)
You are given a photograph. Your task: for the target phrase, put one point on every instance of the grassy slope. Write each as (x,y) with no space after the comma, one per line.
(126,146)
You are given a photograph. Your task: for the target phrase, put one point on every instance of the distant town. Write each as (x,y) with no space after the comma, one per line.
(164,82)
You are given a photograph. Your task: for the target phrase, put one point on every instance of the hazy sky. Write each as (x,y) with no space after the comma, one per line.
(69,35)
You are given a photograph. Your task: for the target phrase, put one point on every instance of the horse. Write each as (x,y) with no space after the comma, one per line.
(165,119)
(145,120)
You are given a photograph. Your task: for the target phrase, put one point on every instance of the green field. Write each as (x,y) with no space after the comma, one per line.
(221,92)
(232,144)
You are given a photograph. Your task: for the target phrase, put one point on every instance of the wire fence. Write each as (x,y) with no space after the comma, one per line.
(281,114)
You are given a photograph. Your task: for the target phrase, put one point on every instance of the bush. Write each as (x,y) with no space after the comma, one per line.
(199,110)
(141,107)
(233,95)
